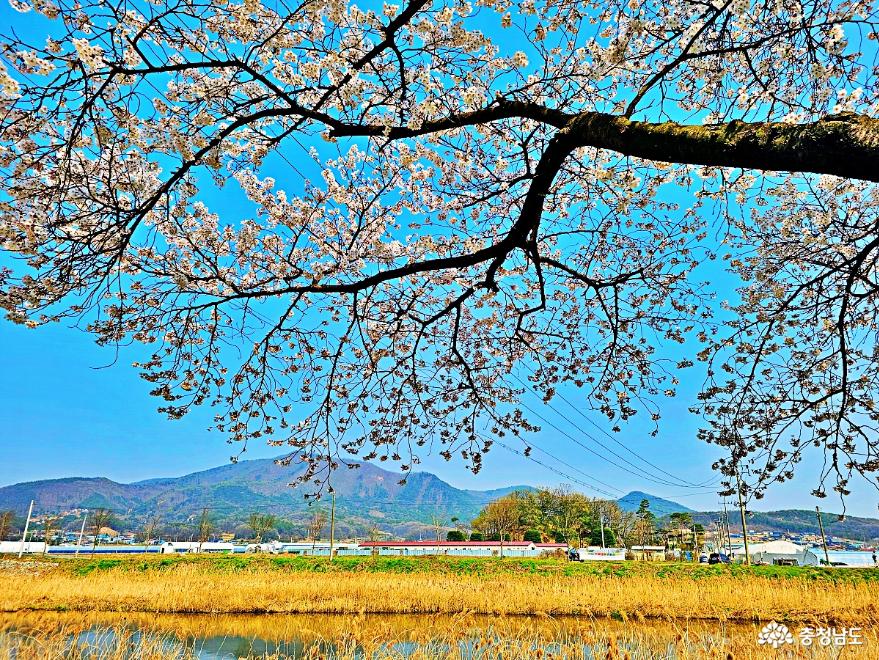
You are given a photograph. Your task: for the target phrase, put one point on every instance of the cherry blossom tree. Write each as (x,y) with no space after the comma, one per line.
(447,194)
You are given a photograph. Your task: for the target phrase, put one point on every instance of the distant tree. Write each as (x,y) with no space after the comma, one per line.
(610,538)
(681,520)
(438,525)
(533,536)
(646,522)
(698,537)
(571,513)
(6,518)
(261,523)
(624,526)
(150,528)
(455,535)
(680,527)
(500,518)
(49,527)
(205,528)
(558,513)
(316,525)
(101,518)
(476,536)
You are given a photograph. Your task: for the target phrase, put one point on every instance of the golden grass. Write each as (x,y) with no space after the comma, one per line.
(113,637)
(194,587)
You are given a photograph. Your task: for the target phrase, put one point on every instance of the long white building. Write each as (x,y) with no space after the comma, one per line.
(462,548)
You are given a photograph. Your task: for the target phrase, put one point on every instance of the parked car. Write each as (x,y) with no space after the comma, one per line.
(718,558)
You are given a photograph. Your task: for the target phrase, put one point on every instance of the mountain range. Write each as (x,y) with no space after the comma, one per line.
(366,496)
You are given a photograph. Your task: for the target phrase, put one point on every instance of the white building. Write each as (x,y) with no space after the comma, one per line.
(319,549)
(174,547)
(462,548)
(778,552)
(30,547)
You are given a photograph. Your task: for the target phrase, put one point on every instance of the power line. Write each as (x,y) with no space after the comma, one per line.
(625,447)
(569,466)
(640,472)
(556,471)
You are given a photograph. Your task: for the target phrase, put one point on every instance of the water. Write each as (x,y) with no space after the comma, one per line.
(848,557)
(373,637)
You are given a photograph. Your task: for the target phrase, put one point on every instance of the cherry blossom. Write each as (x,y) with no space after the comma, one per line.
(447,197)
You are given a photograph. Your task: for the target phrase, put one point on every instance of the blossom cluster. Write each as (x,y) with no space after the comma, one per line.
(386,283)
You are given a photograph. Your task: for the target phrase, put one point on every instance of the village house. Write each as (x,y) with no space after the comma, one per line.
(648,552)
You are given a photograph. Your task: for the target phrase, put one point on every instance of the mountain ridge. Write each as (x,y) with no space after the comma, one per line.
(659,506)
(366,496)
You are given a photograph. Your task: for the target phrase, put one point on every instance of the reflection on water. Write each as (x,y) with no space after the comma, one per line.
(346,637)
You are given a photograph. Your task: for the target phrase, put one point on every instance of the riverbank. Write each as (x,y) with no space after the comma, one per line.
(290,585)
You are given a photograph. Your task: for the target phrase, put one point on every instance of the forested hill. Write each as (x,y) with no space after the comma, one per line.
(366,496)
(658,505)
(801,521)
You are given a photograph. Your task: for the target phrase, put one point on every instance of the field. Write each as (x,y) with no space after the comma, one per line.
(191,607)
(384,585)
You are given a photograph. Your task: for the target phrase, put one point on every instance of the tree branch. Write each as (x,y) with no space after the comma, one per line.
(844,145)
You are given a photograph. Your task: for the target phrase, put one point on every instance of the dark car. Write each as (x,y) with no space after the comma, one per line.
(718,558)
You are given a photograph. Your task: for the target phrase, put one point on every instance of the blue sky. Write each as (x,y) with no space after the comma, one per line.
(65,412)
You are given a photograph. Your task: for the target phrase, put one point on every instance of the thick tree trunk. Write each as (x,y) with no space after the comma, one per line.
(842,145)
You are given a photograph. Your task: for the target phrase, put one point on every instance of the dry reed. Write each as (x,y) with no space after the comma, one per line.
(192,587)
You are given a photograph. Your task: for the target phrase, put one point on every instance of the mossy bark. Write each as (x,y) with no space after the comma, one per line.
(844,145)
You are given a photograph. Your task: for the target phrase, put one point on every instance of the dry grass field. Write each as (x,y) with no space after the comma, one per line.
(435,586)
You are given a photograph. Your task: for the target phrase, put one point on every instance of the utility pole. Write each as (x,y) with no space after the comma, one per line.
(726,525)
(823,538)
(26,525)
(81,532)
(601,522)
(744,524)
(332,524)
